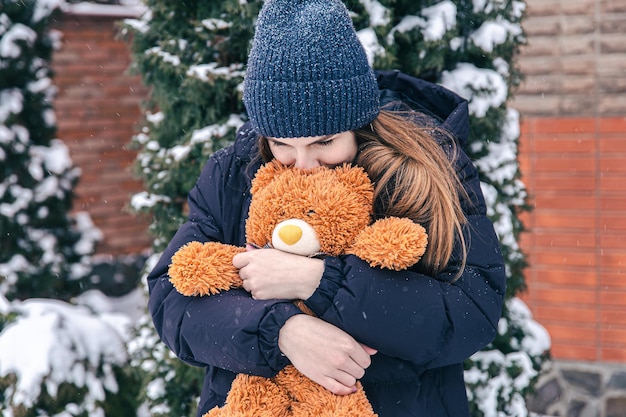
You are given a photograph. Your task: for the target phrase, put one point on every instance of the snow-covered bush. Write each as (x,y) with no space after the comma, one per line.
(193,54)
(61,359)
(45,251)
(56,358)
(498,379)
(168,388)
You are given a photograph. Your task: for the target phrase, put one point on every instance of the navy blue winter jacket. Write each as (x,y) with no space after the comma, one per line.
(423,327)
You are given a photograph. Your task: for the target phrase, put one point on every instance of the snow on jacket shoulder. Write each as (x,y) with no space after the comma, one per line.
(423,327)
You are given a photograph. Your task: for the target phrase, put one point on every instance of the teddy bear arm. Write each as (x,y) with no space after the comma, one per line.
(392,243)
(204,268)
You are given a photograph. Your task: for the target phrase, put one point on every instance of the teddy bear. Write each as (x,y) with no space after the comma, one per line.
(319,212)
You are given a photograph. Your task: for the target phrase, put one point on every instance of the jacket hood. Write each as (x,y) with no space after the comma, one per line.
(446,107)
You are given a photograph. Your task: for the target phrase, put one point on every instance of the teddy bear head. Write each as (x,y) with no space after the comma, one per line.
(309,211)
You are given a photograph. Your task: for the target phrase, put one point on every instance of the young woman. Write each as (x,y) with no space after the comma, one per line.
(313,101)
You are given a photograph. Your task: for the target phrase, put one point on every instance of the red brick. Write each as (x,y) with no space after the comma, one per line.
(527,127)
(612,125)
(576,352)
(613,144)
(570,143)
(544,240)
(613,258)
(613,240)
(612,223)
(560,220)
(564,202)
(580,335)
(565,125)
(610,164)
(566,296)
(556,182)
(565,258)
(613,354)
(565,164)
(612,183)
(524,164)
(92,82)
(613,299)
(613,335)
(572,277)
(565,315)
(613,316)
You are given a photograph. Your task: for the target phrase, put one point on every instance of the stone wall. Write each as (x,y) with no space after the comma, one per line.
(578,389)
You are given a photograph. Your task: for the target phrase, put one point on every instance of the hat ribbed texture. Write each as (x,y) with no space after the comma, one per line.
(307,72)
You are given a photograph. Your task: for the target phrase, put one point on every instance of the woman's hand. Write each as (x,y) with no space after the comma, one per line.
(270,273)
(324,353)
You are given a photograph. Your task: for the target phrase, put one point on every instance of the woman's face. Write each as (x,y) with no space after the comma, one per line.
(312,152)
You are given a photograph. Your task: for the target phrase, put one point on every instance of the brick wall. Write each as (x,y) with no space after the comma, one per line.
(98,108)
(573,161)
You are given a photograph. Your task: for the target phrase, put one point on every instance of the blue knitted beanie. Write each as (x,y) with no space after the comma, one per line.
(307,72)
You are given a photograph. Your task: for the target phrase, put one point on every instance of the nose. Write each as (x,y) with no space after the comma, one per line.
(305,160)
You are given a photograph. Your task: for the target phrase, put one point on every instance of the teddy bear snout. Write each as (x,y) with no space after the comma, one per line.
(295,236)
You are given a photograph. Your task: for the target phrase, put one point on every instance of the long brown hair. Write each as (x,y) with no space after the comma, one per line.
(412,167)
(414,178)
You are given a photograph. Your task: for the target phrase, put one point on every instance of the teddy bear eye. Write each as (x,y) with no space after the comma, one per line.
(310,212)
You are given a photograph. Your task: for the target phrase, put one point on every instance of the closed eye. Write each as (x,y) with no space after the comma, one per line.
(325,142)
(276,143)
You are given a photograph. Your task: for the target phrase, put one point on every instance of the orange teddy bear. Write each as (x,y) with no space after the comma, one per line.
(307,212)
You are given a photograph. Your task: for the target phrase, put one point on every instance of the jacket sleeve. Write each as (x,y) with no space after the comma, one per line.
(229,330)
(429,321)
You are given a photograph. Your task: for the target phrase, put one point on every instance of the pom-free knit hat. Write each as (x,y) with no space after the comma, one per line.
(307,72)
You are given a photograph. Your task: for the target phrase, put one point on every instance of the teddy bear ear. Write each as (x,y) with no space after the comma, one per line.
(266,174)
(356,179)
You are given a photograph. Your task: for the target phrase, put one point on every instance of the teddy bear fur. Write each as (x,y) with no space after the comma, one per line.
(336,205)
